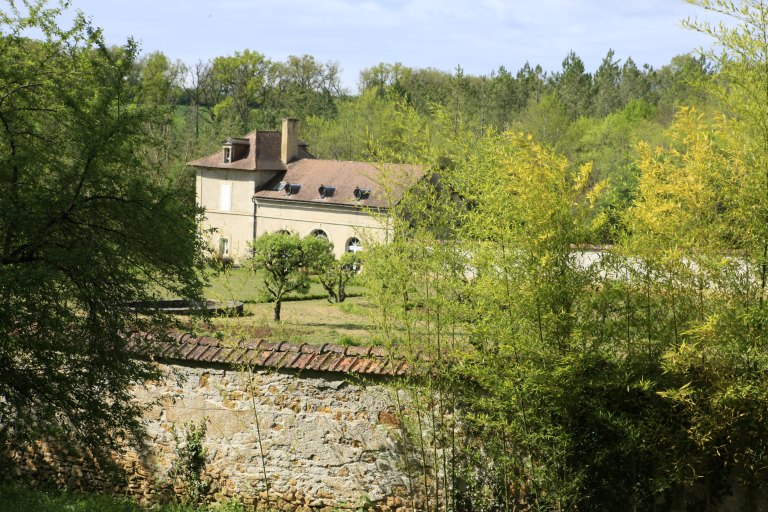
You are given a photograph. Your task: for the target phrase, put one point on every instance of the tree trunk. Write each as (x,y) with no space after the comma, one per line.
(278,303)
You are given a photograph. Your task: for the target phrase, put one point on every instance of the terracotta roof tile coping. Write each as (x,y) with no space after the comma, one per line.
(283,354)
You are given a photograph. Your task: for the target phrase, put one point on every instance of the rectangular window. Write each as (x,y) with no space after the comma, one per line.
(225,198)
(227,155)
(224,246)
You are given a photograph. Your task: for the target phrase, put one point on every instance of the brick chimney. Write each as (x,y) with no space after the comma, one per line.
(289,146)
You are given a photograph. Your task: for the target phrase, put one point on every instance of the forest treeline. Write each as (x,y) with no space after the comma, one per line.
(247,90)
(588,116)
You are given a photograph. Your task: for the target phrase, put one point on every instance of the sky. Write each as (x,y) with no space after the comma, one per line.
(478,35)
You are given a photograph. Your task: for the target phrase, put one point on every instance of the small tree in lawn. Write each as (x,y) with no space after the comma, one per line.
(338,274)
(287,262)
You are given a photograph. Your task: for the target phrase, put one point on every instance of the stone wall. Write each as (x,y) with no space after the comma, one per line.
(328,442)
(322,416)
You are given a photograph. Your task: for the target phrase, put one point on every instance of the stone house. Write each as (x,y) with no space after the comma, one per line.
(268,181)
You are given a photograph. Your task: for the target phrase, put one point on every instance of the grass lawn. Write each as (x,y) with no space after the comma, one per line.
(15,498)
(304,318)
(248,286)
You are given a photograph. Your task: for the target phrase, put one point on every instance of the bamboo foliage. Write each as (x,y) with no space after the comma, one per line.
(480,286)
(547,381)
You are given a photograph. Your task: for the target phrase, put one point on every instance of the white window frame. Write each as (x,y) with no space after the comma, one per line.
(353,245)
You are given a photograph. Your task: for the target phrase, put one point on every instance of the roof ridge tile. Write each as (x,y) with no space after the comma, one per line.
(328,357)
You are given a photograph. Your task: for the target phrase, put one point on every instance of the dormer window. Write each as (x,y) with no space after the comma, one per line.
(234,149)
(291,188)
(326,191)
(362,193)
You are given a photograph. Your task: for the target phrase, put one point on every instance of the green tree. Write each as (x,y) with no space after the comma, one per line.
(159,87)
(504,93)
(681,83)
(574,86)
(240,83)
(425,87)
(160,80)
(288,261)
(87,227)
(383,76)
(532,82)
(607,79)
(546,119)
(693,228)
(361,121)
(304,87)
(635,84)
(337,276)
(629,380)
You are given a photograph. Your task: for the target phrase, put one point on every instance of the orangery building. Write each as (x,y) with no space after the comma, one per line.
(268,181)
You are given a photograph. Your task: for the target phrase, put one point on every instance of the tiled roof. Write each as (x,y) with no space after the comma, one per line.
(264,354)
(262,154)
(344,177)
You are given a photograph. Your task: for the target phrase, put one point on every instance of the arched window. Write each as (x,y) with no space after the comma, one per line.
(353,245)
(319,233)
